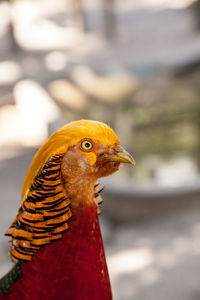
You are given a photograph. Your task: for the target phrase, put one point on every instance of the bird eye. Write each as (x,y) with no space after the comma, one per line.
(86,145)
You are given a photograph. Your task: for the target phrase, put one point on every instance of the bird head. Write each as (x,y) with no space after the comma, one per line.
(95,157)
(90,149)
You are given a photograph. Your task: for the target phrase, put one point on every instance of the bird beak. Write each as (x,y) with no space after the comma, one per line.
(121,155)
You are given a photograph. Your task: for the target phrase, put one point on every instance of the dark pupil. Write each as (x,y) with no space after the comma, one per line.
(87,145)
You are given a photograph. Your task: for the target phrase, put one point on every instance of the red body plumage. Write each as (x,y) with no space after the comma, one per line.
(72,268)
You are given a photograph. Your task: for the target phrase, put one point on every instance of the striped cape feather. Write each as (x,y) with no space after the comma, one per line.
(43,215)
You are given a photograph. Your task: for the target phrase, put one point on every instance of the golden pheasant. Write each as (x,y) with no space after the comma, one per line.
(56,242)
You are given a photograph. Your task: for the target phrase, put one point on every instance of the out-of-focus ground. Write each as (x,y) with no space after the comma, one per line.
(134,65)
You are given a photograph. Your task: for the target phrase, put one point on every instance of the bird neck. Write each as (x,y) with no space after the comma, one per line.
(73,267)
(78,179)
(81,192)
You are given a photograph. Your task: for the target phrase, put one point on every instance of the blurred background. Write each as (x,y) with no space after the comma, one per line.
(134,64)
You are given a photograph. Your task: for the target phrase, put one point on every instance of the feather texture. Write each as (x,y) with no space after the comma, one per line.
(44,214)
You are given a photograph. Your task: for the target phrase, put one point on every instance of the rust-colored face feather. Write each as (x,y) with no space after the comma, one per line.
(62,177)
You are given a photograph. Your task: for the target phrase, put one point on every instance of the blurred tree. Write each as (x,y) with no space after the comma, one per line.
(78,17)
(12,41)
(195,6)
(109,18)
(77,14)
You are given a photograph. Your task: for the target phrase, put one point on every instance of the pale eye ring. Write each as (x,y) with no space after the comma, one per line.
(86,145)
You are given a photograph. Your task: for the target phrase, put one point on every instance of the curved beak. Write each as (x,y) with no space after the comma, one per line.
(121,155)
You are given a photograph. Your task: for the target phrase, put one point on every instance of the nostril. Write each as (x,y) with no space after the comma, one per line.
(101,154)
